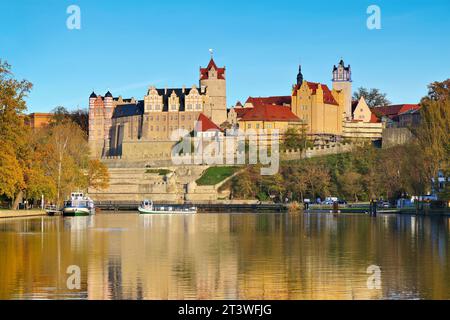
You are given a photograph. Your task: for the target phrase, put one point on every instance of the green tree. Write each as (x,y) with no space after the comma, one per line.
(373,97)
(295,139)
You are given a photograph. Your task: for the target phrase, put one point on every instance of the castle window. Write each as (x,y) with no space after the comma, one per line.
(164,118)
(249,126)
(198,106)
(157,118)
(157,128)
(182,118)
(189,107)
(151,118)
(151,128)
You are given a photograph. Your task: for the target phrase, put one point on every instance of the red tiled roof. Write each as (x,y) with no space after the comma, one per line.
(393,111)
(241,111)
(313,86)
(278,100)
(269,112)
(205,124)
(204,71)
(374,118)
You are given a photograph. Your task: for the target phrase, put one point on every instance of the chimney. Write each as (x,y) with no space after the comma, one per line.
(183,89)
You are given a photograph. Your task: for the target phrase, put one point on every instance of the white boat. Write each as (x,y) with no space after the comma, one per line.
(78,205)
(147,207)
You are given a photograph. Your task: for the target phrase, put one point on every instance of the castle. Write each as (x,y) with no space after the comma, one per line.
(325,114)
(140,129)
(324,110)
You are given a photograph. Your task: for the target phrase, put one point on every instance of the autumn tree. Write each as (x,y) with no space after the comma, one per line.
(64,151)
(78,116)
(318,178)
(434,131)
(351,184)
(98,175)
(68,157)
(242,186)
(13,133)
(296,182)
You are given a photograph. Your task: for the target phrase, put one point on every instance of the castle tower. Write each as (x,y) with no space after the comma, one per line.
(108,103)
(93,123)
(342,81)
(213,80)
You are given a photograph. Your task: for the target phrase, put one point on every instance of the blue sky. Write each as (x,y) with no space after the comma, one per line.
(125,46)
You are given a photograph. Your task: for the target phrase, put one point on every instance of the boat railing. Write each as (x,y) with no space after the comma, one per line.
(77,203)
(51,207)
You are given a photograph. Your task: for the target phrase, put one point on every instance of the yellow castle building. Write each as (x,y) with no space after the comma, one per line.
(323,110)
(325,114)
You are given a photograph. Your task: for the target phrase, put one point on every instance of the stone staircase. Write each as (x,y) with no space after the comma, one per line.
(136,184)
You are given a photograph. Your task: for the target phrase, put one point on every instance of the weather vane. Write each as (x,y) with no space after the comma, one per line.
(211,52)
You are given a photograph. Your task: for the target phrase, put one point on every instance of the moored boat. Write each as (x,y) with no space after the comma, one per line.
(147,207)
(78,205)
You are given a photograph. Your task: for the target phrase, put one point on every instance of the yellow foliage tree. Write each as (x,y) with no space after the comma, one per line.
(13,134)
(98,175)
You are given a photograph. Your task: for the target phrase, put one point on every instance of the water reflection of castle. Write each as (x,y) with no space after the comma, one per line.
(216,257)
(225,256)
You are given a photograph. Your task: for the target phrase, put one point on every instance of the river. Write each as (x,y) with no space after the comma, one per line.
(225,256)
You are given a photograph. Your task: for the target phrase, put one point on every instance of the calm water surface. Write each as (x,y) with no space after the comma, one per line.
(225,256)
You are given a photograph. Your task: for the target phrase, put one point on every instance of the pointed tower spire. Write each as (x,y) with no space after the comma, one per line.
(299,75)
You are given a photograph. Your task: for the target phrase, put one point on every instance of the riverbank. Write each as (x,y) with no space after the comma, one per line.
(21,213)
